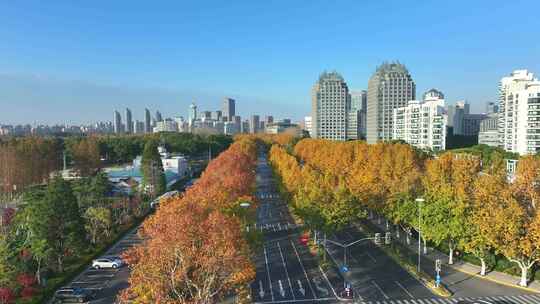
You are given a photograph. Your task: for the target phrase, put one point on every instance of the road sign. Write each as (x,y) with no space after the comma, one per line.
(344,269)
(388,238)
(438,265)
(377,238)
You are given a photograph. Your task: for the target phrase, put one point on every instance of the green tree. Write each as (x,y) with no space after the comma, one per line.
(7,270)
(152,170)
(98,222)
(54,218)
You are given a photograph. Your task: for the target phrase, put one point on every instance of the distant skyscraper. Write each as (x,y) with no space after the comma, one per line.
(117,122)
(492,107)
(254,125)
(389,88)
(228,108)
(158,116)
(330,101)
(206,115)
(129,121)
(217,115)
(269,119)
(192,113)
(147,121)
(359,103)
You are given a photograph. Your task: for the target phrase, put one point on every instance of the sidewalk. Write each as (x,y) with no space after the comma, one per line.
(428,261)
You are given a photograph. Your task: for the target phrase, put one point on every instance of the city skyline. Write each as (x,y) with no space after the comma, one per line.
(122,63)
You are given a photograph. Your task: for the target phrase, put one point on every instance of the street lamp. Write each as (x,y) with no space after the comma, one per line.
(245,205)
(419,201)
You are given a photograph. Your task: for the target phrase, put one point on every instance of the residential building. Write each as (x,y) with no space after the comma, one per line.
(129,122)
(192,113)
(138,127)
(283,127)
(244,126)
(330,103)
(471,124)
(422,123)
(167,125)
(254,124)
(359,102)
(159,117)
(217,115)
(519,113)
(118,128)
(147,121)
(308,126)
(389,88)
(228,108)
(354,122)
(269,119)
(489,131)
(492,107)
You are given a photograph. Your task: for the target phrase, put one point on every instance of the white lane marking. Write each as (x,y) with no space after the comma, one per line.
(404,289)
(516,299)
(281,290)
(297,301)
(261,290)
(523,299)
(304,269)
(301,288)
(532,298)
(484,302)
(268,273)
(371,257)
(328,281)
(379,288)
(286,271)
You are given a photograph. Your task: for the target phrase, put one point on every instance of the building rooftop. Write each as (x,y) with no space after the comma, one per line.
(330,76)
(392,67)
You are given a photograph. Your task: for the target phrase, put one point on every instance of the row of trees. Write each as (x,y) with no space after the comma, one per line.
(30,160)
(27,161)
(468,204)
(195,250)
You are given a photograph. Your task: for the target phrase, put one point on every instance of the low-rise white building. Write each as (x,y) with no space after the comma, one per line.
(422,123)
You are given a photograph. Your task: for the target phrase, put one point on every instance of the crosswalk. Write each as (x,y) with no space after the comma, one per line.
(516,299)
(276,227)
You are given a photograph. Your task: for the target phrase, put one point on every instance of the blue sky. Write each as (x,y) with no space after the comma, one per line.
(77,61)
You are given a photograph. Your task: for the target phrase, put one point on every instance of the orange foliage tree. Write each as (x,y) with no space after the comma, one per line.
(195,251)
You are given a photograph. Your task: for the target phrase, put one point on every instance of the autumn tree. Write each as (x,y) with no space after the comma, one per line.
(86,156)
(98,223)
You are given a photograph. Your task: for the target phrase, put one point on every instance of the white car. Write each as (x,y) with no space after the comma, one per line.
(107,263)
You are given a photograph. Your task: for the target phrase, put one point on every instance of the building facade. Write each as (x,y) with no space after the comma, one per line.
(229,105)
(519,113)
(389,88)
(330,103)
(254,124)
(117,121)
(489,131)
(422,124)
(129,121)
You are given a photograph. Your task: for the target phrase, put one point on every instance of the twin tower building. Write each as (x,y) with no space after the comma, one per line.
(388,110)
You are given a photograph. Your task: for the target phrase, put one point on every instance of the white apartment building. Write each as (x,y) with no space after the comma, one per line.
(166,126)
(422,123)
(489,131)
(308,126)
(519,113)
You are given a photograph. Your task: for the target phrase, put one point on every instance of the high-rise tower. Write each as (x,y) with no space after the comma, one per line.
(129,121)
(117,122)
(389,88)
(147,121)
(330,101)
(228,108)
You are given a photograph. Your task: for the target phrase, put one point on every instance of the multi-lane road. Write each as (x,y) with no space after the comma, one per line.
(286,270)
(288,273)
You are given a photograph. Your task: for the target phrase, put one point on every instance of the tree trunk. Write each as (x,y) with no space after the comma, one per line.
(398,235)
(38,272)
(451,256)
(523,281)
(483,271)
(60,264)
(387,225)
(425,246)
(408,238)
(379,219)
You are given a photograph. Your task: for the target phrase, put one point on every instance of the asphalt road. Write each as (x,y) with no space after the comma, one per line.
(108,283)
(286,271)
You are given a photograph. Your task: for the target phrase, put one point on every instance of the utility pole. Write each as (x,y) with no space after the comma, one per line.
(419,201)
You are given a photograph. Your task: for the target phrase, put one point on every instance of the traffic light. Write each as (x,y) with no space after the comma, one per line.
(437,265)
(388,238)
(377,238)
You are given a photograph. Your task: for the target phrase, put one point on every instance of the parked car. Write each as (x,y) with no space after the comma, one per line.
(107,262)
(73,295)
